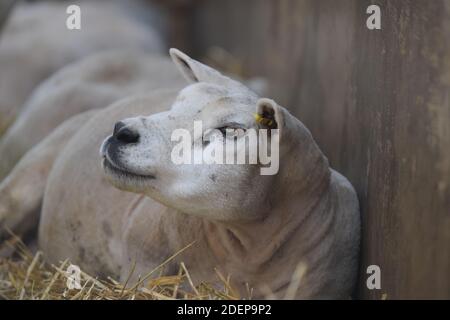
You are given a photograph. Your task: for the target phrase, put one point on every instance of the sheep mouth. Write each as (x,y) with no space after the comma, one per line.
(112,169)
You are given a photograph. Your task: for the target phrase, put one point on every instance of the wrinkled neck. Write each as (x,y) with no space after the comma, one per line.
(254,243)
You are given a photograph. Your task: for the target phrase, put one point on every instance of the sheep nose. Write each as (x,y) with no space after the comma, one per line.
(124,134)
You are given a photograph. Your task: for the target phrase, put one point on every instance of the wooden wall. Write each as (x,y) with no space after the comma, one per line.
(377,103)
(5,8)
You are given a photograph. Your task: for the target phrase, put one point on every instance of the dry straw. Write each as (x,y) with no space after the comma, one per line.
(24,275)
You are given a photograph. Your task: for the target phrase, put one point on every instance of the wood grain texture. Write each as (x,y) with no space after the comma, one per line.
(378,104)
(5,9)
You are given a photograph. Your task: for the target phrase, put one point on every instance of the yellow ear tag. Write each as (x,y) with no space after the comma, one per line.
(264,121)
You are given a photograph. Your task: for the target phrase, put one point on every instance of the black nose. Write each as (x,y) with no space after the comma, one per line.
(123,134)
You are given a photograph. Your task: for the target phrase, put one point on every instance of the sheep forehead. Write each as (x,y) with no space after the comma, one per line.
(194,98)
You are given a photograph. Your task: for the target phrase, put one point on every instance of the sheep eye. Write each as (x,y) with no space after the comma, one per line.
(233,132)
(223,130)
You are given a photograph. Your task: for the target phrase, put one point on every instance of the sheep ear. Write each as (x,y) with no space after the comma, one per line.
(195,71)
(269,114)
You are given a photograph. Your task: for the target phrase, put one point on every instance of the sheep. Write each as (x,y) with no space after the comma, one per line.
(132,207)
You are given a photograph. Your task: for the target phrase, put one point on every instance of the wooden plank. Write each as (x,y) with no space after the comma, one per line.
(5,9)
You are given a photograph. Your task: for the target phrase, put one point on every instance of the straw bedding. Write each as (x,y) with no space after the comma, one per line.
(26,275)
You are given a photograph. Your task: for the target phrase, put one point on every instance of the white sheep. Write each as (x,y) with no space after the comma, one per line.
(35,43)
(259,229)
